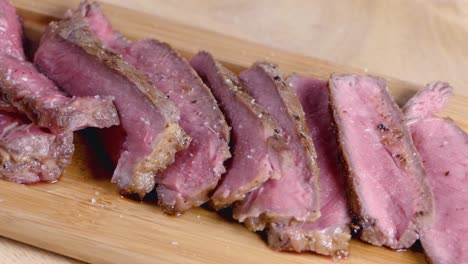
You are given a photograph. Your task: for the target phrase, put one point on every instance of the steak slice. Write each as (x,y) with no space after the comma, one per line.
(329,234)
(388,190)
(198,169)
(72,56)
(258,148)
(11,31)
(443,147)
(30,154)
(24,88)
(294,196)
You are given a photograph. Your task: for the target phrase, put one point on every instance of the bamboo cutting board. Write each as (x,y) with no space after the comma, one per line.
(84,217)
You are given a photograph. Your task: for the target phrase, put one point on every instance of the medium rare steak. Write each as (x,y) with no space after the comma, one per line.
(11,31)
(29,154)
(24,88)
(294,196)
(329,234)
(32,93)
(443,147)
(388,190)
(72,56)
(258,149)
(196,170)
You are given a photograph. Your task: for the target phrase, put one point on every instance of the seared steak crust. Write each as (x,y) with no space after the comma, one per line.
(29,154)
(331,241)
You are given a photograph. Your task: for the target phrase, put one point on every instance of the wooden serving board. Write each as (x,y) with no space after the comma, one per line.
(84,217)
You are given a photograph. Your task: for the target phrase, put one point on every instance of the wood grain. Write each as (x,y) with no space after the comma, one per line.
(15,252)
(83,216)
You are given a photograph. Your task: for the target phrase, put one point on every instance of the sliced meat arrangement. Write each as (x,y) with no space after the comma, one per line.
(443,147)
(401,177)
(196,170)
(294,196)
(258,149)
(388,189)
(29,154)
(329,234)
(24,88)
(72,56)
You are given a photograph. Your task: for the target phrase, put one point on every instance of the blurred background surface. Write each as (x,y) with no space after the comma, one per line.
(413,40)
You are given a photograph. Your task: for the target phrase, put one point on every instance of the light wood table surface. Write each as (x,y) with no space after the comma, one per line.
(412,40)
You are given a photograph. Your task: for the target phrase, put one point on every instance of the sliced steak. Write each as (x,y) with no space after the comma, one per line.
(29,154)
(257,146)
(443,147)
(33,94)
(72,56)
(388,189)
(11,31)
(24,88)
(294,196)
(196,170)
(329,234)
